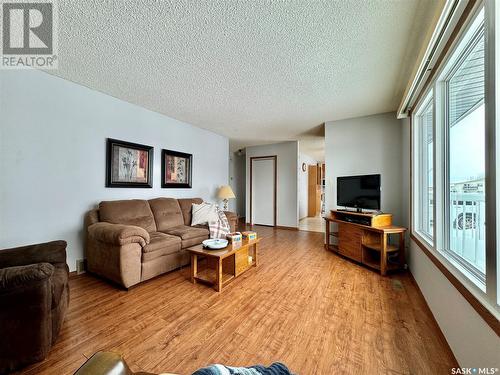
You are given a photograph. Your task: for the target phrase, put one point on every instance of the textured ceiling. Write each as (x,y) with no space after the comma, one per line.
(254,71)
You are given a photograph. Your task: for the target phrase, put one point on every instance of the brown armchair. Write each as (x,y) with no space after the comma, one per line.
(34,297)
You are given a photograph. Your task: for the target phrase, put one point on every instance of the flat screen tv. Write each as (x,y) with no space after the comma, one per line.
(359,192)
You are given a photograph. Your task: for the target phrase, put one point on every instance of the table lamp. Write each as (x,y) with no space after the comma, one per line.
(225,193)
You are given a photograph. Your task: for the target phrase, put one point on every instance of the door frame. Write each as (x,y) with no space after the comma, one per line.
(275,159)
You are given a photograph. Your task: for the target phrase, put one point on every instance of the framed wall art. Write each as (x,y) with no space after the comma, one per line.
(176,169)
(128,164)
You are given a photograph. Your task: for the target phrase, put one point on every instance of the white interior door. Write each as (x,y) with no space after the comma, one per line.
(263,191)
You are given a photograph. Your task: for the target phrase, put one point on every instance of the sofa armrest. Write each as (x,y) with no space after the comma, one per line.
(232,218)
(118,234)
(20,276)
(25,313)
(49,252)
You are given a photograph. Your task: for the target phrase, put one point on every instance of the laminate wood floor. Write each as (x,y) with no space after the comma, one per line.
(308,308)
(312,224)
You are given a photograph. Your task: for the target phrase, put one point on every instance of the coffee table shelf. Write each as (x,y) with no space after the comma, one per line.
(209,276)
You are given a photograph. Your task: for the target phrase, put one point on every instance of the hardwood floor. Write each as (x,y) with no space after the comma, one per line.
(312,224)
(306,307)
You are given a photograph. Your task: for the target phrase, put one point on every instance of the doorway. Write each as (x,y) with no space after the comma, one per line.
(263,190)
(313,197)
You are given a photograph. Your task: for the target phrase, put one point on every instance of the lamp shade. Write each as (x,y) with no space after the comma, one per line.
(225,192)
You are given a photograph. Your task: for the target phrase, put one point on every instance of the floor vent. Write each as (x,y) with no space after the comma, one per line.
(80,266)
(397,285)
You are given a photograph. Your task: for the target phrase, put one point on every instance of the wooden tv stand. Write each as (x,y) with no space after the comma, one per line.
(365,238)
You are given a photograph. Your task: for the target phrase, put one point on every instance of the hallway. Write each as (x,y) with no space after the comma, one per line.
(312,224)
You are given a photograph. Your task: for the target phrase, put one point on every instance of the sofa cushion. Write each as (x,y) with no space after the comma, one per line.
(185,232)
(186,204)
(164,251)
(162,242)
(130,212)
(193,241)
(167,213)
(203,226)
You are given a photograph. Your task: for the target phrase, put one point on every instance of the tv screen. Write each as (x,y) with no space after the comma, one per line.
(359,191)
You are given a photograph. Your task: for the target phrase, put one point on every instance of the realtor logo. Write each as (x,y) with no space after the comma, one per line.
(28,34)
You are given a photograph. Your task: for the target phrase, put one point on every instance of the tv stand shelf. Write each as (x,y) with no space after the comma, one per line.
(365,238)
(378,247)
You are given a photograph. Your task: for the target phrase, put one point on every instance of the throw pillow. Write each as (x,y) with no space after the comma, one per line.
(219,228)
(203,213)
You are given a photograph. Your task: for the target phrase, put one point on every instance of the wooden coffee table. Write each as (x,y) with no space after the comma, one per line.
(223,265)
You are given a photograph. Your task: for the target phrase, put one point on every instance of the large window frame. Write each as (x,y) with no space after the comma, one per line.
(472,35)
(421,189)
(480,292)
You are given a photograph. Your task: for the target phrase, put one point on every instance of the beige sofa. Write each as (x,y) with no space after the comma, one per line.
(130,241)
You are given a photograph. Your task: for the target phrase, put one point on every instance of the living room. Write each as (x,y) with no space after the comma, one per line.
(298,187)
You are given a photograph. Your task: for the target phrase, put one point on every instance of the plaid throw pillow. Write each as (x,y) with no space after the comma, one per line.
(219,228)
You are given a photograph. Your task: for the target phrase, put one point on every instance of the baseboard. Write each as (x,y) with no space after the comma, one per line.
(75,273)
(286,228)
(274,226)
(429,311)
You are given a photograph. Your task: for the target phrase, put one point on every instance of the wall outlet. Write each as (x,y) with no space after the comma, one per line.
(81,266)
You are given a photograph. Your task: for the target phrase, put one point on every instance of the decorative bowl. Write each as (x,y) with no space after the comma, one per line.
(215,243)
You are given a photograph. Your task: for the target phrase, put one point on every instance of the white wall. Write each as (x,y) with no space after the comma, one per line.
(287,190)
(52,157)
(365,145)
(237,180)
(472,341)
(303,183)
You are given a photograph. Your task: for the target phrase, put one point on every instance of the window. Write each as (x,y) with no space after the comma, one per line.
(464,155)
(465,179)
(449,204)
(424,168)
(455,149)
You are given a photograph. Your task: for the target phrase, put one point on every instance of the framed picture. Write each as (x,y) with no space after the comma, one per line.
(176,169)
(128,164)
